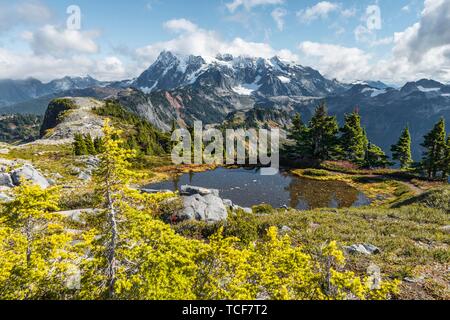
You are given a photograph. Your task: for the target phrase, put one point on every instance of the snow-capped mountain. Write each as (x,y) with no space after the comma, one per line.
(244,90)
(242,75)
(17,91)
(385,112)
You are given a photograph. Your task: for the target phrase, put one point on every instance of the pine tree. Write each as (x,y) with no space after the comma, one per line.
(353,139)
(134,255)
(322,139)
(39,246)
(98,144)
(79,145)
(298,134)
(435,145)
(446,170)
(90,147)
(375,157)
(402,150)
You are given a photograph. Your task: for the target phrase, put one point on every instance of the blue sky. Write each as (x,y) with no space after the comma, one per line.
(393,41)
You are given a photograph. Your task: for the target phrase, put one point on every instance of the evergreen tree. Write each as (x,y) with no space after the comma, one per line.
(446,172)
(79,145)
(36,244)
(375,157)
(353,140)
(321,134)
(98,144)
(435,146)
(117,236)
(298,134)
(90,147)
(402,150)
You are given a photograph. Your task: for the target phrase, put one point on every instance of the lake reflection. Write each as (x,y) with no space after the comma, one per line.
(246,188)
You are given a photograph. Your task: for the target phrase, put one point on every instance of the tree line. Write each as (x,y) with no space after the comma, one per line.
(84,145)
(322,139)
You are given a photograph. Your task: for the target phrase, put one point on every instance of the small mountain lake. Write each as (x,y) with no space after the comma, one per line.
(246,188)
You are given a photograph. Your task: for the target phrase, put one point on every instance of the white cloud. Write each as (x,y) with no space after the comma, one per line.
(420,51)
(23,13)
(180,25)
(208,44)
(249,4)
(348,13)
(319,11)
(110,68)
(349,64)
(430,33)
(382,42)
(49,40)
(336,61)
(20,66)
(278,15)
(33,11)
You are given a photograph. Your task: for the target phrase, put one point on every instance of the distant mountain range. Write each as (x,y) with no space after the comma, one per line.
(258,91)
(16,91)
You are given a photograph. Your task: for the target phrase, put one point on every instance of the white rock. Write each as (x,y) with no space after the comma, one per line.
(6,180)
(29,173)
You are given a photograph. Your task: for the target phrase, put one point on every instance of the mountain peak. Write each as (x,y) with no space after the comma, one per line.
(240,75)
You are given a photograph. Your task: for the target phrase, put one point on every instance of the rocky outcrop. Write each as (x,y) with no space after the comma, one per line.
(6,180)
(191,190)
(208,208)
(77,215)
(29,173)
(66,117)
(202,204)
(13,171)
(366,249)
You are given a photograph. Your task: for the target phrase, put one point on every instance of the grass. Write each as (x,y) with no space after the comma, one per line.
(408,228)
(48,158)
(412,242)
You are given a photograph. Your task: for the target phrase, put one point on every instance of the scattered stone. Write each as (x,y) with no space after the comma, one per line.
(92,161)
(413,280)
(28,172)
(314,226)
(366,249)
(84,176)
(285,230)
(75,170)
(75,215)
(228,203)
(5,198)
(209,208)
(57,176)
(4,151)
(191,190)
(6,180)
(246,210)
(446,229)
(153,191)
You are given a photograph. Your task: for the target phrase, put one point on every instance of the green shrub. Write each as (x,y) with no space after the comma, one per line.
(263,209)
(242,225)
(435,199)
(316,173)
